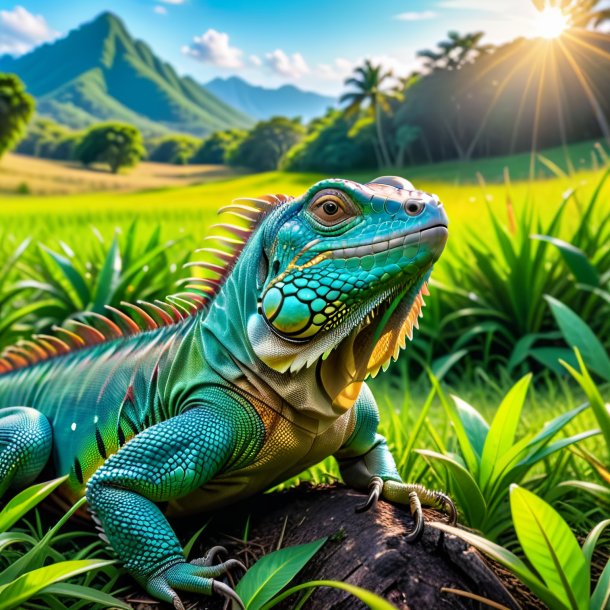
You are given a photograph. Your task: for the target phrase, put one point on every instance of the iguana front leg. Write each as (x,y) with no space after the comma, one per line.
(366,463)
(166,461)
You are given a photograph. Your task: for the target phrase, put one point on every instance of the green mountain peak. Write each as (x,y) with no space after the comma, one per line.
(98,72)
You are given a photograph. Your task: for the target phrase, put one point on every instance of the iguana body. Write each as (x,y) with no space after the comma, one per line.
(238,386)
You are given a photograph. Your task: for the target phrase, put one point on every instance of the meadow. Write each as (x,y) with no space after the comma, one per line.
(503,428)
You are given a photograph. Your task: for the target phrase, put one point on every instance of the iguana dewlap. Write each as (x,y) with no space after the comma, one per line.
(253,375)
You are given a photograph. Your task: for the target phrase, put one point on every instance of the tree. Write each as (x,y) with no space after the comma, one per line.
(217,148)
(368,81)
(176,149)
(117,144)
(332,146)
(16,109)
(455,52)
(266,144)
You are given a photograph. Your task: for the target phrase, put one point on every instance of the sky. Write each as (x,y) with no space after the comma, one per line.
(313,44)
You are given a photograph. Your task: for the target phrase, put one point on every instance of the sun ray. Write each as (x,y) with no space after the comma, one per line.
(599,114)
(497,95)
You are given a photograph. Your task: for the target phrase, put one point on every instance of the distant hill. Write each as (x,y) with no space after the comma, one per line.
(263,103)
(98,72)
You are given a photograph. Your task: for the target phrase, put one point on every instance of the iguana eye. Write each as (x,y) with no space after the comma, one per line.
(330,209)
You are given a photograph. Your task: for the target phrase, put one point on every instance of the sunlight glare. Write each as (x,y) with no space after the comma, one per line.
(551,22)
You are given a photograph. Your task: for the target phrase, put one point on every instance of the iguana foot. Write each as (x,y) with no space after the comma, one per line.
(417,494)
(194,577)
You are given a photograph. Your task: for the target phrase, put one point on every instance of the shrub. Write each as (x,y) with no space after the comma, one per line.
(265,146)
(176,149)
(216,148)
(117,144)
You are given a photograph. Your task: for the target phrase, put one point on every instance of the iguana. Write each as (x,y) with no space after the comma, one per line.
(252,375)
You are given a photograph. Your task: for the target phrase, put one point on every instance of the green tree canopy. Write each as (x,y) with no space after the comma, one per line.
(176,149)
(267,143)
(16,109)
(333,145)
(217,148)
(117,144)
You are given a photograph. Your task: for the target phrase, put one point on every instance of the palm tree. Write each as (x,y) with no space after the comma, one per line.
(368,81)
(455,52)
(578,13)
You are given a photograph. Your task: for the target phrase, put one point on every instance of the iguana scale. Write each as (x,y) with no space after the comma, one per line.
(251,376)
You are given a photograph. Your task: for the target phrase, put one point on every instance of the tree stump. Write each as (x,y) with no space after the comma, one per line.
(366,549)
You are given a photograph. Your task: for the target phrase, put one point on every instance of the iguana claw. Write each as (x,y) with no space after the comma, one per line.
(437,498)
(375,489)
(418,517)
(221,589)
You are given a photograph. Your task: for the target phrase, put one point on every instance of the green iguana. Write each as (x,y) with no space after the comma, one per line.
(255,374)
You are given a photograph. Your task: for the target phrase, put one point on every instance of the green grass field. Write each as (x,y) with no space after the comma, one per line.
(190,209)
(414,419)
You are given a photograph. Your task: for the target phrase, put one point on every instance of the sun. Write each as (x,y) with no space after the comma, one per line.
(551,22)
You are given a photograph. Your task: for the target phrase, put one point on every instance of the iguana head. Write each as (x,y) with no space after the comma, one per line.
(341,278)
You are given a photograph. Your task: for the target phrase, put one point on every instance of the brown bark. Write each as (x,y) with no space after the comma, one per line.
(367,549)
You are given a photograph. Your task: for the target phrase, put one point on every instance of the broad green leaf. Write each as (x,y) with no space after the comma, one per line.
(509,560)
(600,408)
(556,446)
(35,556)
(272,572)
(109,277)
(600,600)
(8,538)
(551,547)
(25,500)
(575,259)
(370,599)
(501,435)
(13,594)
(470,457)
(88,594)
(550,357)
(578,334)
(72,275)
(601,493)
(470,500)
(474,424)
(441,366)
(591,541)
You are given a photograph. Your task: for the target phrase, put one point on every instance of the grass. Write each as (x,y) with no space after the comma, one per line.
(413,416)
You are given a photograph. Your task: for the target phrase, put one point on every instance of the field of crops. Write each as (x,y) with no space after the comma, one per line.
(525,279)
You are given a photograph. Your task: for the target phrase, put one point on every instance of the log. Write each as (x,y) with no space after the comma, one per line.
(366,549)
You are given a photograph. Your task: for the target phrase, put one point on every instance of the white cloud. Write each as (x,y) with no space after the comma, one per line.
(255,60)
(21,31)
(291,66)
(213,47)
(339,70)
(415,16)
(160,10)
(173,1)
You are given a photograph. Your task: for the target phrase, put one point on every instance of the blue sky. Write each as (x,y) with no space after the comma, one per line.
(313,44)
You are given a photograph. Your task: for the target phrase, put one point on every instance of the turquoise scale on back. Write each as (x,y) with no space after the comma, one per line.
(251,376)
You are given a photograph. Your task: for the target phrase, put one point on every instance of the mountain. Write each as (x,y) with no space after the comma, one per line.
(263,103)
(98,72)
